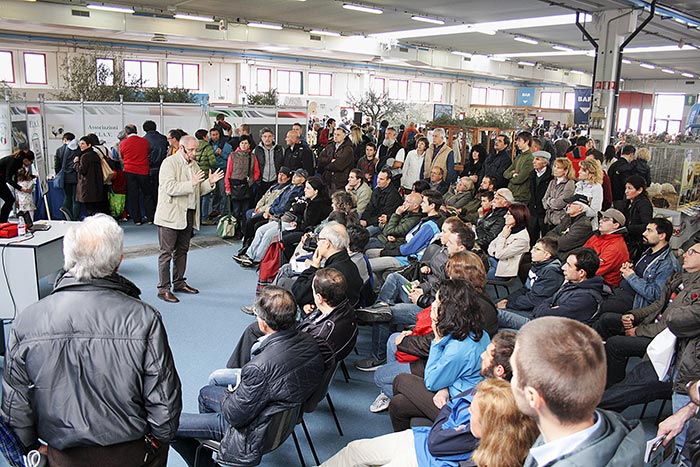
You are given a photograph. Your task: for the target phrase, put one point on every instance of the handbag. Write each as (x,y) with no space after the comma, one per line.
(412,271)
(239,189)
(661,351)
(58,179)
(107,172)
(226,227)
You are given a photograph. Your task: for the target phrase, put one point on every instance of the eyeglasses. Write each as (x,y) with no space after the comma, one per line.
(536,248)
(191,149)
(607,219)
(692,252)
(323,238)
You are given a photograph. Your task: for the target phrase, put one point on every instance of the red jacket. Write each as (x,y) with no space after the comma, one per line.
(423,326)
(134,150)
(612,251)
(576,156)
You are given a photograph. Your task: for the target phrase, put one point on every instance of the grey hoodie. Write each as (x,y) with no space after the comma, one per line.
(617,443)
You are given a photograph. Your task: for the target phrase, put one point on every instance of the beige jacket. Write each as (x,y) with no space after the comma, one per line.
(508,252)
(174,189)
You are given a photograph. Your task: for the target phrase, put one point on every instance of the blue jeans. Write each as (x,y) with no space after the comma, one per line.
(392,290)
(205,206)
(374,230)
(512,319)
(403,314)
(384,376)
(679,401)
(491,273)
(198,426)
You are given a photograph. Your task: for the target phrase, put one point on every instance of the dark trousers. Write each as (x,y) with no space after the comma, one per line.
(291,240)
(8,200)
(174,245)
(70,204)
(537,228)
(618,350)
(641,385)
(153,175)
(129,454)
(411,399)
(137,186)
(241,354)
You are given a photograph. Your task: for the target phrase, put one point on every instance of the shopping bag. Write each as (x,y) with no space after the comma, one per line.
(270,263)
(116,203)
(226,228)
(661,351)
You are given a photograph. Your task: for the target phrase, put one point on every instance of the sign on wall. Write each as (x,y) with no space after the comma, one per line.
(526,97)
(582,106)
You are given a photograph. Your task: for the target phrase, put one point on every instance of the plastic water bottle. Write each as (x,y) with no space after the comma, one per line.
(21,227)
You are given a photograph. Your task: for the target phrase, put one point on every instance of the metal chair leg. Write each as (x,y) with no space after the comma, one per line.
(661,410)
(644,410)
(296,444)
(344,369)
(335,416)
(308,439)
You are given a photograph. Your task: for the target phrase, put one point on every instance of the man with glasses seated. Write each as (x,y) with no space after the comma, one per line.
(609,243)
(578,298)
(181,184)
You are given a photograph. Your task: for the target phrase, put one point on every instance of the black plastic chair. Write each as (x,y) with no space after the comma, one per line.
(281,427)
(508,282)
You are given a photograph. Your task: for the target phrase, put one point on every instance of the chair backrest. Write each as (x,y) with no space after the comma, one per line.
(322,389)
(280,428)
(524,267)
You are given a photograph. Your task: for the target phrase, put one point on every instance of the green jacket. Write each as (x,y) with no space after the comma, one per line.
(519,184)
(399,225)
(206,159)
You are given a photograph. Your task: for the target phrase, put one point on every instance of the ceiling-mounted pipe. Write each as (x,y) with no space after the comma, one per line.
(667,11)
(593,42)
(618,71)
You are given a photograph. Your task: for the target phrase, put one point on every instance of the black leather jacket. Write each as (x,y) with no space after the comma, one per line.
(90,365)
(284,373)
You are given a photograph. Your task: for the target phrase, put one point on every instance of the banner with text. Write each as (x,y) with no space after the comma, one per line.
(526,97)
(582,106)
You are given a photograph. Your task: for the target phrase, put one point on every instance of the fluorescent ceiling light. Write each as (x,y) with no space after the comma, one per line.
(497,58)
(668,70)
(659,48)
(325,33)
(463,54)
(626,62)
(114,9)
(205,19)
(363,9)
(526,40)
(426,19)
(539,22)
(678,20)
(545,54)
(688,75)
(563,48)
(256,24)
(577,72)
(648,66)
(526,63)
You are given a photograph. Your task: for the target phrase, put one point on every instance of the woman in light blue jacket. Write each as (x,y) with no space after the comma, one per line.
(454,361)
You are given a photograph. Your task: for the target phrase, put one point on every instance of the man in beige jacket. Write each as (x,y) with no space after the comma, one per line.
(181,184)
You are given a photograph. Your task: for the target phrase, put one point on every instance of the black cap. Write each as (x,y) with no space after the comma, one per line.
(286,170)
(302,173)
(578,198)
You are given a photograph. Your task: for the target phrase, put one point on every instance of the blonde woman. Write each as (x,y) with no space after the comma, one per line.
(561,186)
(590,184)
(490,415)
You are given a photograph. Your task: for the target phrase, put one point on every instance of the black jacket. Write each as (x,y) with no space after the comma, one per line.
(638,214)
(298,157)
(340,261)
(495,165)
(8,170)
(538,187)
(90,365)
(63,160)
(383,201)
(578,301)
(337,330)
(488,227)
(618,173)
(159,149)
(283,373)
(544,280)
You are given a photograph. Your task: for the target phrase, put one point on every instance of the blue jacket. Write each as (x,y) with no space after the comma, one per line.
(648,288)
(419,237)
(226,150)
(543,280)
(281,204)
(455,364)
(449,440)
(578,301)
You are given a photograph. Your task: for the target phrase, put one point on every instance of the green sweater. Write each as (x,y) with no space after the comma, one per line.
(519,184)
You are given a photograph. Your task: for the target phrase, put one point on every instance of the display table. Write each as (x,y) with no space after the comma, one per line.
(24,261)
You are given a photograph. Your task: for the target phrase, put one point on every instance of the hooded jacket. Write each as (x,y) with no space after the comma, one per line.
(543,280)
(612,252)
(616,443)
(65,350)
(579,301)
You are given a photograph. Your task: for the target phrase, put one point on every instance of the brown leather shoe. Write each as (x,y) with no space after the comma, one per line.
(168,297)
(186,289)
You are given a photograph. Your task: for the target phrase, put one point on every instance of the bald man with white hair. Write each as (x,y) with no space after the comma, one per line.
(181,184)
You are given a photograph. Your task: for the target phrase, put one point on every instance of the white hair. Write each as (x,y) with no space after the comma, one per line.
(439,131)
(93,248)
(336,234)
(187,138)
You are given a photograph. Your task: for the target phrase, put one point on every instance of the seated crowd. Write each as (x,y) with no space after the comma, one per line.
(374,233)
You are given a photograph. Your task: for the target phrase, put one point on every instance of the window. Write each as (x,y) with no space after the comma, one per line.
(289,82)
(264,79)
(104,71)
(35,68)
(549,100)
(478,96)
(668,112)
(646,121)
(7,70)
(634,119)
(398,89)
(569,100)
(494,97)
(437,92)
(622,119)
(420,91)
(183,75)
(378,85)
(320,84)
(141,72)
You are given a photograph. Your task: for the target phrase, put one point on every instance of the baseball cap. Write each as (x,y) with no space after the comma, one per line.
(302,173)
(506,194)
(286,170)
(615,215)
(578,198)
